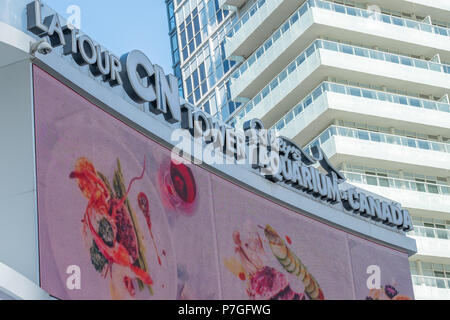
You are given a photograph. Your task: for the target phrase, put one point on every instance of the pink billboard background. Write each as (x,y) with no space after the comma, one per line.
(134,225)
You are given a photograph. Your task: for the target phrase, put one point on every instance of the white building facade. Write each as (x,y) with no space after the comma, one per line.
(368,82)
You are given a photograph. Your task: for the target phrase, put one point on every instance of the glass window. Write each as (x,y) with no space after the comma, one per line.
(324,137)
(330,46)
(412,24)
(392,58)
(251,60)
(274,84)
(257,99)
(429,105)
(351,11)
(409,142)
(385,18)
(376,55)
(337,88)
(438,146)
(268,44)
(364,135)
(377,137)
(414,102)
(204,87)
(188,85)
(310,50)
(371,181)
(298,109)
(446,69)
(402,100)
(419,187)
(282,75)
(446,191)
(423,144)
(292,67)
(308,101)
(339,8)
(259,52)
(445,107)
(197,94)
(433,188)
(383,182)
(346,49)
(207,108)
(354,92)
(361,52)
(397,21)
(345,132)
(393,140)
(195,78)
(443,234)
(317,93)
(280,125)
(276,35)
(421,64)
(289,117)
(369,94)
(285,27)
(265,92)
(382,96)
(435,66)
(294,18)
(440,31)
(300,59)
(406,61)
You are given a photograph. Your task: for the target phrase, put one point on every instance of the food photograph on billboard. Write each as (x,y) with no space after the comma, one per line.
(233,150)
(140,225)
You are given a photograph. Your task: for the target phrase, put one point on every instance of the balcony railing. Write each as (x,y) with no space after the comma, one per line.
(347,49)
(428,232)
(351,11)
(369,14)
(246,16)
(442,283)
(293,19)
(396,183)
(353,91)
(380,138)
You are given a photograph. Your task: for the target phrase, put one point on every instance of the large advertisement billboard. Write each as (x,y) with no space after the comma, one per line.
(119,220)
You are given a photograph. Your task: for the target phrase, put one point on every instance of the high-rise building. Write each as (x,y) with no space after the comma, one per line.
(369,83)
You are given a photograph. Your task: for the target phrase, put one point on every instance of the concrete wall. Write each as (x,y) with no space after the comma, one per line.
(18,215)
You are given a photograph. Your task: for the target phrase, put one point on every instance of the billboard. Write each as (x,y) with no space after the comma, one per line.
(119,220)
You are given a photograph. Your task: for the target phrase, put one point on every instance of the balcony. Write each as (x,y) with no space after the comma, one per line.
(316,18)
(331,101)
(433,233)
(256,23)
(233,3)
(420,197)
(376,149)
(432,249)
(431,288)
(437,9)
(324,59)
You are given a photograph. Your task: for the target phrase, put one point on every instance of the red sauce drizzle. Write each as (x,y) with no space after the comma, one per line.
(288,240)
(145,208)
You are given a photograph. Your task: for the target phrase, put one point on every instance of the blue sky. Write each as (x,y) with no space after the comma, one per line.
(122,26)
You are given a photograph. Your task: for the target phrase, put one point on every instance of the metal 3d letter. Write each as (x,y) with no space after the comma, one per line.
(55,31)
(138,75)
(34,18)
(168,102)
